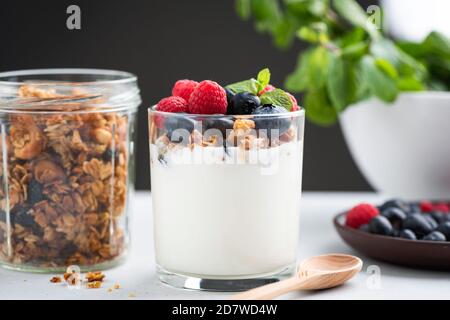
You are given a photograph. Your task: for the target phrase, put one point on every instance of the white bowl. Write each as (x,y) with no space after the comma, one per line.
(403,149)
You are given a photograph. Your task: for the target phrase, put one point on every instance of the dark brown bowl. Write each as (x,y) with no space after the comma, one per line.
(411,253)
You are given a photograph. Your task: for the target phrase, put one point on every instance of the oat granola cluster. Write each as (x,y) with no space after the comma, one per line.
(66,189)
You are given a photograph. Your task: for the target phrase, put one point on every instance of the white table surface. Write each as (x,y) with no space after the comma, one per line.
(317,236)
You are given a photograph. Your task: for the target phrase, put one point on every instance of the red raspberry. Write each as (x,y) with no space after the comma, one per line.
(295,106)
(426,206)
(184,88)
(208,98)
(170,104)
(268,88)
(441,207)
(360,214)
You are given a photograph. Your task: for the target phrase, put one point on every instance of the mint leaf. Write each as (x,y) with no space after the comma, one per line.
(318,108)
(353,13)
(338,83)
(387,67)
(311,71)
(263,78)
(245,86)
(277,97)
(438,43)
(380,84)
(243,8)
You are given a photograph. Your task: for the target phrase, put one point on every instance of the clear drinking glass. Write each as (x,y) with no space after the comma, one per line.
(226,197)
(66,166)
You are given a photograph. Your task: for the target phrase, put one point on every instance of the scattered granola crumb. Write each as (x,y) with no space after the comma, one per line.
(131,295)
(110,290)
(67,275)
(95,276)
(53,280)
(72,278)
(94,284)
(117,286)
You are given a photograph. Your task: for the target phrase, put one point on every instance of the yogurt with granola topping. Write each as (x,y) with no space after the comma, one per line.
(226,168)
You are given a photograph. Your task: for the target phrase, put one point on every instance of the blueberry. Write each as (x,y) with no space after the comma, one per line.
(243,103)
(407,234)
(394,215)
(269,123)
(364,227)
(395,203)
(419,224)
(444,228)
(431,220)
(172,124)
(230,95)
(34,192)
(414,207)
(434,236)
(221,124)
(440,217)
(381,225)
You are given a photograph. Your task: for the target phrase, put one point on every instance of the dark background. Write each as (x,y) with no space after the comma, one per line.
(162,41)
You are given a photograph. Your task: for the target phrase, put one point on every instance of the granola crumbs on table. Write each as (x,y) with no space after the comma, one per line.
(117,286)
(55,279)
(95,276)
(94,284)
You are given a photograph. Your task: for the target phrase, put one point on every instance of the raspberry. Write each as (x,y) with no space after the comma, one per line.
(426,206)
(295,106)
(441,207)
(169,104)
(208,98)
(268,88)
(360,214)
(184,88)
(172,104)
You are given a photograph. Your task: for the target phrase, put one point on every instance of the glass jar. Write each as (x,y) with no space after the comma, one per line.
(226,197)
(66,138)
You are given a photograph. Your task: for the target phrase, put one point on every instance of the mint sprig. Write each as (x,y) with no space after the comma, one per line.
(349,58)
(254,86)
(277,97)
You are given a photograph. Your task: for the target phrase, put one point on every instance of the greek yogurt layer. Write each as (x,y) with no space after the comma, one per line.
(232,213)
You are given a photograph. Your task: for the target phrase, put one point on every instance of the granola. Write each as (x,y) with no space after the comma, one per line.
(67,179)
(95,276)
(55,280)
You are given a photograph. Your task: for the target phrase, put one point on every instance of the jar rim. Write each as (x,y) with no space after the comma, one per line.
(122,76)
(101,90)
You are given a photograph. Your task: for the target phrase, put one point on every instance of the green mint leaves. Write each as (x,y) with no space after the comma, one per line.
(276,97)
(348,60)
(263,78)
(252,85)
(244,86)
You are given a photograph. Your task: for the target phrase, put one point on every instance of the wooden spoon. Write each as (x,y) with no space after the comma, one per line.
(319,272)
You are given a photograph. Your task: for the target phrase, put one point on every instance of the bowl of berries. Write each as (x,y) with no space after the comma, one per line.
(414,234)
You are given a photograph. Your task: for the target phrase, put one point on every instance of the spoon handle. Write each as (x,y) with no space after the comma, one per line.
(270,291)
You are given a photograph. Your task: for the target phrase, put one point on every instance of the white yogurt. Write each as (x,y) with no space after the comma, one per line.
(219,218)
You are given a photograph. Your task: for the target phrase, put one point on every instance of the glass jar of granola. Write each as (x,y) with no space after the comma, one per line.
(66,138)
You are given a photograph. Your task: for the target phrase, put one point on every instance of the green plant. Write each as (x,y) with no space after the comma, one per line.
(348,59)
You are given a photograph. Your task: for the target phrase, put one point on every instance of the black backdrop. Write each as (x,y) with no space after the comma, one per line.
(162,41)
